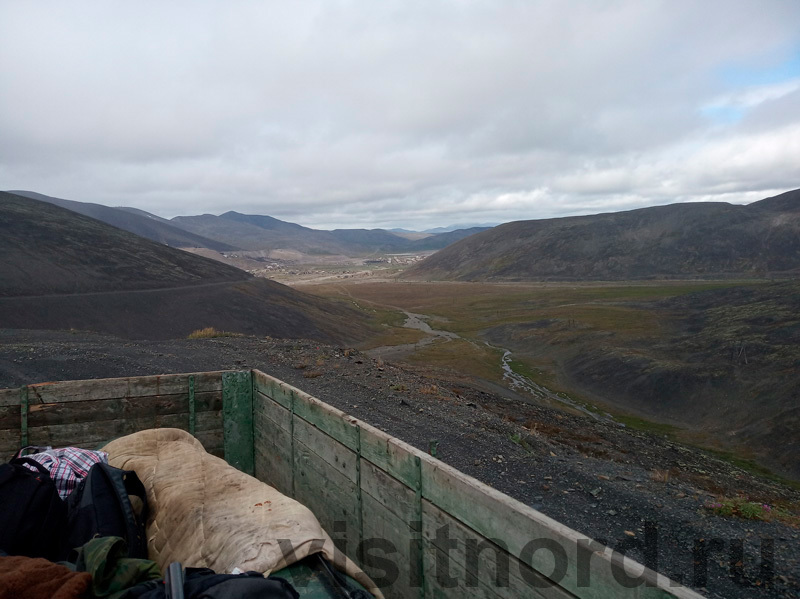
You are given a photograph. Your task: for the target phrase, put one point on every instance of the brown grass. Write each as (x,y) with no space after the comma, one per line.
(210,333)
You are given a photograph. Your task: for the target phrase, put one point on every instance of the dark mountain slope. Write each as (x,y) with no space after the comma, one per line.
(251,236)
(134,221)
(48,249)
(256,307)
(62,270)
(442,240)
(678,240)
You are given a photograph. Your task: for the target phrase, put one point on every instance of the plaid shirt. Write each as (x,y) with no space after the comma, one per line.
(67,466)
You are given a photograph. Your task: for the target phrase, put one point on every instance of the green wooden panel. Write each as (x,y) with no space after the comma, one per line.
(388,492)
(390,455)
(326,492)
(333,422)
(336,454)
(237,416)
(494,515)
(486,564)
(273,410)
(391,539)
(273,388)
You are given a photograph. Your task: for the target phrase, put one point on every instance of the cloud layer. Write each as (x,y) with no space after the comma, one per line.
(413,114)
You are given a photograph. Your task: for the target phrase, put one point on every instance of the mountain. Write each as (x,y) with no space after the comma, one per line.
(47,249)
(257,232)
(135,221)
(452,228)
(673,241)
(63,270)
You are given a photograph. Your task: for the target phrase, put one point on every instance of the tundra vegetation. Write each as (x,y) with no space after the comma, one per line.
(710,363)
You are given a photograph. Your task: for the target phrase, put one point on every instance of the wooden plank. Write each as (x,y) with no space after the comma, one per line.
(9,442)
(267,432)
(495,515)
(43,414)
(24,409)
(166,384)
(390,454)
(213,441)
(9,416)
(337,456)
(388,537)
(273,444)
(482,562)
(274,468)
(272,410)
(273,388)
(207,421)
(89,433)
(333,422)
(237,411)
(9,397)
(388,492)
(325,491)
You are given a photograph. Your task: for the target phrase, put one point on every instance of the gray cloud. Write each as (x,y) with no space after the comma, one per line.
(395,113)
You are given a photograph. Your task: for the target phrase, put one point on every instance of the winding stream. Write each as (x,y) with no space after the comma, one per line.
(516,381)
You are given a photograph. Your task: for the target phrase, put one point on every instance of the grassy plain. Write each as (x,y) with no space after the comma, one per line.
(710,362)
(569,312)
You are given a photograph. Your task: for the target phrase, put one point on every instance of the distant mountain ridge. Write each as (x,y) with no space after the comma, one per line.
(672,241)
(234,231)
(135,221)
(256,232)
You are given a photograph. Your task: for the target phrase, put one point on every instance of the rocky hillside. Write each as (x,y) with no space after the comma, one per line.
(135,221)
(47,249)
(678,240)
(62,270)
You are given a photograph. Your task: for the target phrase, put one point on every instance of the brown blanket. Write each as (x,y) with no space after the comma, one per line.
(37,578)
(205,513)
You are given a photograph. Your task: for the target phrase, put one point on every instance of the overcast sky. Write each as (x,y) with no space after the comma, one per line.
(410,114)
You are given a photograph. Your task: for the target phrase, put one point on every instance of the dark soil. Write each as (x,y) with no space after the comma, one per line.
(605,481)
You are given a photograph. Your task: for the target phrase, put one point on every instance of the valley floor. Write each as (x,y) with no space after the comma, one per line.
(630,489)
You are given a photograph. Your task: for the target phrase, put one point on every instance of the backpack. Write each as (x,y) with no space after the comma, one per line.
(101,507)
(203,583)
(32,515)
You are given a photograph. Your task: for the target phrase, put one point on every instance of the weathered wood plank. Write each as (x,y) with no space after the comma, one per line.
(273,410)
(10,416)
(10,440)
(495,515)
(274,467)
(266,432)
(82,434)
(389,492)
(9,397)
(325,491)
(55,413)
(337,456)
(390,454)
(165,384)
(334,422)
(206,421)
(483,562)
(388,537)
(237,412)
(273,388)
(212,441)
